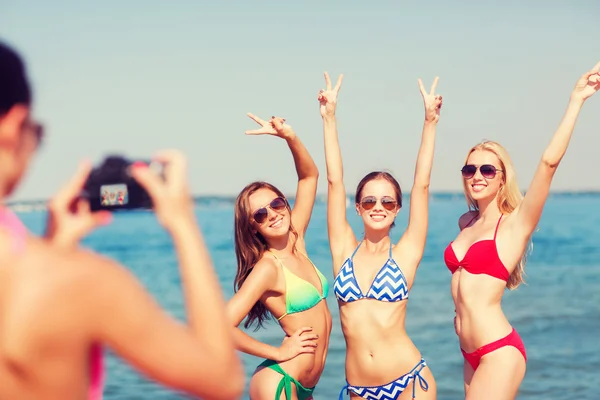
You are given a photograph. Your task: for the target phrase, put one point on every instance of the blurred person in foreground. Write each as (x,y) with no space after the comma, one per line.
(59,304)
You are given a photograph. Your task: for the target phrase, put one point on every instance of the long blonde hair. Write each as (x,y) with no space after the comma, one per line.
(509,197)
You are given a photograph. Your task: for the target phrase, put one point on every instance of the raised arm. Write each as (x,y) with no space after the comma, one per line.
(528,214)
(308,173)
(199,358)
(341,236)
(416,232)
(258,284)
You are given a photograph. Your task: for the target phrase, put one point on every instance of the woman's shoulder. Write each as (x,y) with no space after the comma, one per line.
(265,274)
(267,266)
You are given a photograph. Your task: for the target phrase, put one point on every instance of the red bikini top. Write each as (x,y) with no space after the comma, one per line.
(481,258)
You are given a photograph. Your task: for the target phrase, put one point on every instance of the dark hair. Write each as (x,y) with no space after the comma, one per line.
(371,176)
(250,247)
(14,86)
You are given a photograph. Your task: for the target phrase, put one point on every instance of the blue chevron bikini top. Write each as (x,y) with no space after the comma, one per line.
(389,284)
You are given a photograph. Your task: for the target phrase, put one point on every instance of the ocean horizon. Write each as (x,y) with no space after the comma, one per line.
(39,203)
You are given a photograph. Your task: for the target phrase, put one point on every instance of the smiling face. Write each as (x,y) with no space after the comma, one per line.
(269,214)
(378,204)
(483,175)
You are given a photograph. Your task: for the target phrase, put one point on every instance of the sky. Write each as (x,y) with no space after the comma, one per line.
(133,77)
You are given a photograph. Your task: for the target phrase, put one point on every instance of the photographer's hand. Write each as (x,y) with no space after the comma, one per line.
(171,198)
(69,216)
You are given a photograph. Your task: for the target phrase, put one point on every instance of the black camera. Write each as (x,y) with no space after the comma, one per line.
(110,186)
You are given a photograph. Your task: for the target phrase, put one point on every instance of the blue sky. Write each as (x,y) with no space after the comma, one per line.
(132,77)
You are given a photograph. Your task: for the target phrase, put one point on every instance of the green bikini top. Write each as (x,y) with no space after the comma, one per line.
(301,295)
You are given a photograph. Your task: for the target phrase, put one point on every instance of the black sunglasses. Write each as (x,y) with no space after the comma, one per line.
(488,171)
(277,204)
(367,203)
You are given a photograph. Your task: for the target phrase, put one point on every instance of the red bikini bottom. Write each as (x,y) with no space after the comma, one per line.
(512,339)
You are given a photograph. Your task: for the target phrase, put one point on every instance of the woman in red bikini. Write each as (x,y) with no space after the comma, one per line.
(59,304)
(489,253)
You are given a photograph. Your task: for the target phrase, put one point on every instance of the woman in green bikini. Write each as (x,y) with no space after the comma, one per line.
(276,278)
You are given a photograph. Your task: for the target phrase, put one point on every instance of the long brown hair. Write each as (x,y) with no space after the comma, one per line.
(251,245)
(509,198)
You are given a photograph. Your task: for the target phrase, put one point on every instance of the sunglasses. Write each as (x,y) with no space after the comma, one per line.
(488,171)
(367,203)
(34,128)
(277,204)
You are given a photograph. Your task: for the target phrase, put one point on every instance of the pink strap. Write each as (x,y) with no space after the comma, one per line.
(497,226)
(15,227)
(96,373)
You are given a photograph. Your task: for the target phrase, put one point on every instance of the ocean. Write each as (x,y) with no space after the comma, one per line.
(557,313)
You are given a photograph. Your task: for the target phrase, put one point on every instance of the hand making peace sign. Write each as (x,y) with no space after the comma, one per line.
(328,97)
(432,101)
(276,126)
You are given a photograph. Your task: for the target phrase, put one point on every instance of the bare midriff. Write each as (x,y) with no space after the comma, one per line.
(479,316)
(378,349)
(307,368)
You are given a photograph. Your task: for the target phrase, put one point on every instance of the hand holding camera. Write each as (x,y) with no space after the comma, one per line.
(69,215)
(119,184)
(169,190)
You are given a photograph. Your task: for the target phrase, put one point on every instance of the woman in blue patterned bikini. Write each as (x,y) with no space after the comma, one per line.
(372,276)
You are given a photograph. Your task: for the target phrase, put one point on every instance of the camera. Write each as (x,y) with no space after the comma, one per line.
(110,185)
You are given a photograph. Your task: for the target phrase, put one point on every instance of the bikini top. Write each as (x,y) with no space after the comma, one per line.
(18,232)
(301,295)
(481,258)
(389,284)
